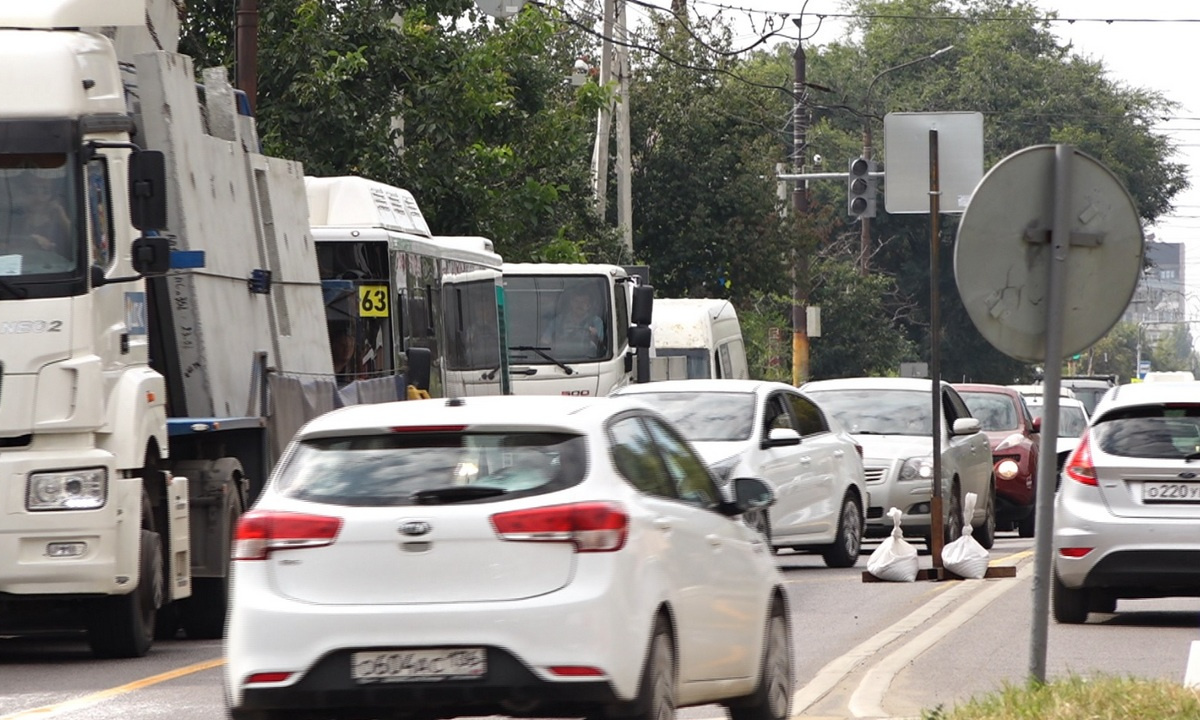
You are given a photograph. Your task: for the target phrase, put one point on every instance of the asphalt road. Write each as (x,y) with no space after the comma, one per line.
(862,650)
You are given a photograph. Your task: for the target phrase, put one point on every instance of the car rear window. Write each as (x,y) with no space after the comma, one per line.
(1150,431)
(706,416)
(432,468)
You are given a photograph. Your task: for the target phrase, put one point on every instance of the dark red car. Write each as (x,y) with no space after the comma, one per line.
(1013,434)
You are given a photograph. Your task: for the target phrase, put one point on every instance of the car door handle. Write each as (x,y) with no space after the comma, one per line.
(662,523)
(714,540)
(804,460)
(839,453)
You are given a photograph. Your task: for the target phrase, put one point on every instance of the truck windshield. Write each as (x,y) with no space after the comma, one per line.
(39,229)
(569,316)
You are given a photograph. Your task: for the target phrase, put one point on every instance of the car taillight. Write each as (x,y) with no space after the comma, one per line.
(260,532)
(592,527)
(1079,466)
(1074,552)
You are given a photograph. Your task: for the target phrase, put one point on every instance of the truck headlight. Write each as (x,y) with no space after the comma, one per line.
(67,490)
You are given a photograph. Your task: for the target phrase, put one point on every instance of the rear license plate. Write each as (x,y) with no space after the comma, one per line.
(1170,492)
(381,666)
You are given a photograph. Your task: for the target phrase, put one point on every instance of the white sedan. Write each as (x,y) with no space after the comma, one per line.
(773,431)
(532,556)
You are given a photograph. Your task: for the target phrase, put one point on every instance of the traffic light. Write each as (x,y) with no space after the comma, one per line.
(860,189)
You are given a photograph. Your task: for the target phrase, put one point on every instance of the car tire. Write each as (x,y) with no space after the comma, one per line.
(954,515)
(1026,525)
(122,626)
(987,534)
(843,551)
(656,692)
(1103,603)
(772,699)
(1071,605)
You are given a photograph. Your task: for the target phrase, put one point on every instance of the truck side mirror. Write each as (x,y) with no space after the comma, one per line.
(147,190)
(151,255)
(639,336)
(643,306)
(420,362)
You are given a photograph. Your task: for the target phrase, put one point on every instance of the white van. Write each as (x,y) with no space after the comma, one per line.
(697,338)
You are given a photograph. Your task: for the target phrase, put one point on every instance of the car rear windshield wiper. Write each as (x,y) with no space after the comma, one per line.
(455,493)
(544,354)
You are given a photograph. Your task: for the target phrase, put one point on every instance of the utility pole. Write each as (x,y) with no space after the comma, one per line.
(800,264)
(246,44)
(604,119)
(624,153)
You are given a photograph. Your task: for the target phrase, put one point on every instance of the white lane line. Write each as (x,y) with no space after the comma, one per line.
(867,700)
(828,677)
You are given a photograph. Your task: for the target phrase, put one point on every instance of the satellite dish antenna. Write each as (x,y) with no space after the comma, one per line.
(500,8)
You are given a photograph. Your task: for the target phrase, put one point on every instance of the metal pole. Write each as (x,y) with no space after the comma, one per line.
(1047,463)
(246,44)
(604,119)
(936,531)
(800,266)
(624,154)
(864,251)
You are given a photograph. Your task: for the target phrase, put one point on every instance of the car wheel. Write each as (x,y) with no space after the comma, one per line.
(1071,605)
(843,551)
(1025,528)
(772,699)
(954,521)
(656,697)
(987,533)
(1103,603)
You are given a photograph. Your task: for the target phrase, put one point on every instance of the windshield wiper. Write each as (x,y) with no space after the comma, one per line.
(455,493)
(542,352)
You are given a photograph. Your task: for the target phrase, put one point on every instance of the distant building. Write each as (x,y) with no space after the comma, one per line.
(1160,299)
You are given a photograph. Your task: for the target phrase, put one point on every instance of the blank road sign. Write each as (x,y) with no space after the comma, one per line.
(906,169)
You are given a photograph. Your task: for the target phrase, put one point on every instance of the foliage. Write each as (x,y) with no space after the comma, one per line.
(1175,351)
(475,118)
(1080,698)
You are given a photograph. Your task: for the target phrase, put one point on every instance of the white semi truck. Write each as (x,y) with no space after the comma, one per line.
(576,328)
(133,411)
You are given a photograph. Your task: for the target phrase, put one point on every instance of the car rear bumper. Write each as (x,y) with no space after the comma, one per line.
(510,688)
(580,625)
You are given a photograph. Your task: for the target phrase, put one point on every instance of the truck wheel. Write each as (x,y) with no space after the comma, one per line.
(122,626)
(204,612)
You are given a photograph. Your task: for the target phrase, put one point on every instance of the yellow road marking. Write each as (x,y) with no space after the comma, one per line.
(97,697)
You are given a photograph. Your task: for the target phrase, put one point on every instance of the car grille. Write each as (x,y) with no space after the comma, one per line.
(874,474)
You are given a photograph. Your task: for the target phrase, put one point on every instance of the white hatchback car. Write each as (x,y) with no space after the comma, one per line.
(532,556)
(1126,517)
(771,430)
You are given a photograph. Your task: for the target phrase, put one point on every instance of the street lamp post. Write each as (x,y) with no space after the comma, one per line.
(865,234)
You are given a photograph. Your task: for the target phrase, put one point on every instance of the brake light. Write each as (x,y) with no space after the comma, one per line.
(1074,552)
(428,428)
(592,527)
(267,677)
(1079,466)
(260,532)
(576,671)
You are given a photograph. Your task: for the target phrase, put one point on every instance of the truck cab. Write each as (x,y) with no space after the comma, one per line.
(569,327)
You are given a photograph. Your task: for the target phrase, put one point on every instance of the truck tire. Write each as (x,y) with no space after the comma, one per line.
(122,626)
(204,612)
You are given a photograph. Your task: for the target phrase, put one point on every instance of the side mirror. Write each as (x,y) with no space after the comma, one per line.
(420,361)
(781,437)
(643,305)
(151,255)
(966,426)
(639,336)
(751,493)
(147,190)
(1037,424)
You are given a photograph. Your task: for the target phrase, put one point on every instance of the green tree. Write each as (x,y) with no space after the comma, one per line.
(1175,350)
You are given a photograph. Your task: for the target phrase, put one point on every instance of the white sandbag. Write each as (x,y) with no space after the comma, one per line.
(965,557)
(895,559)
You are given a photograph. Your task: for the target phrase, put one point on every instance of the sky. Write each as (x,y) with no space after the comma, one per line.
(1146,45)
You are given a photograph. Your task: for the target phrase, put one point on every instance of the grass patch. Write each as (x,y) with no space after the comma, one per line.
(1079,698)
